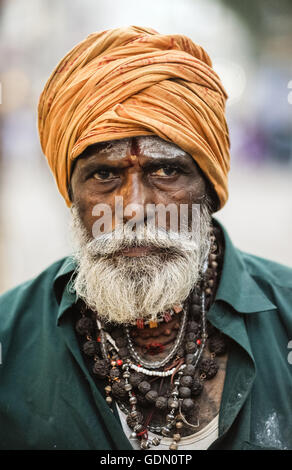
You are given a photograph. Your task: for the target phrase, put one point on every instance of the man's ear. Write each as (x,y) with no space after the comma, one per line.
(213,200)
(211,195)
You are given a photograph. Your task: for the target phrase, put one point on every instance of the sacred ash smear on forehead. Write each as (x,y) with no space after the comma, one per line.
(150,146)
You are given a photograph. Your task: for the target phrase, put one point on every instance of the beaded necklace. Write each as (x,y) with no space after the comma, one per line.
(157,364)
(130,377)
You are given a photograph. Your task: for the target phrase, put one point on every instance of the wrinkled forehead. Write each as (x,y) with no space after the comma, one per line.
(148,146)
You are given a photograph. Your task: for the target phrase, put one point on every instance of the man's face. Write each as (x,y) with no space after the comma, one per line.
(126,277)
(143,170)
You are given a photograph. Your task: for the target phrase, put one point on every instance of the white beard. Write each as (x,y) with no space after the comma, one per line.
(122,289)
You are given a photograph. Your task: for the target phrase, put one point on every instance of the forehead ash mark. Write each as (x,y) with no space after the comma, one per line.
(148,146)
(155,147)
(114,149)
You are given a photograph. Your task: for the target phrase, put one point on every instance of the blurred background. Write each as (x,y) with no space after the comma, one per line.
(250,43)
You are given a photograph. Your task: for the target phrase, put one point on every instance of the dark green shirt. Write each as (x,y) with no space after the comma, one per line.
(49,400)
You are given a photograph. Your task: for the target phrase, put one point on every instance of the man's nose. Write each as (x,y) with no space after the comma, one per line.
(136,196)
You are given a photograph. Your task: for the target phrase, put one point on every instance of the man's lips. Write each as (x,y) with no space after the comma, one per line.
(136,251)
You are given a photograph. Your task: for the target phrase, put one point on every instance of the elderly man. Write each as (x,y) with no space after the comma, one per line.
(157,334)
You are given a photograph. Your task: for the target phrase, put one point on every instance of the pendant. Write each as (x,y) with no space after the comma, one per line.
(145,444)
(167,317)
(140,323)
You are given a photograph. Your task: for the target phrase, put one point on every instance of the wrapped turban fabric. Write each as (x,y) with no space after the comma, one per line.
(134,81)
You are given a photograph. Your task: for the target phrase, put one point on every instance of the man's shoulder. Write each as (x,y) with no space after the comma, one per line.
(44,276)
(264,269)
(29,293)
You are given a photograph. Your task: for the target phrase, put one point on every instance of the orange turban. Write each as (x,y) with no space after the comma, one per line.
(133,81)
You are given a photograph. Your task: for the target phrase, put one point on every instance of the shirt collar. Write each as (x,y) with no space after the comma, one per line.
(63,276)
(237,287)
(62,284)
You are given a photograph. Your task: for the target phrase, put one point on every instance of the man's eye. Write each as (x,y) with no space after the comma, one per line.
(102,175)
(164,171)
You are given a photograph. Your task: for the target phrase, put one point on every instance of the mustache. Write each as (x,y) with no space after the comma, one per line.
(160,240)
